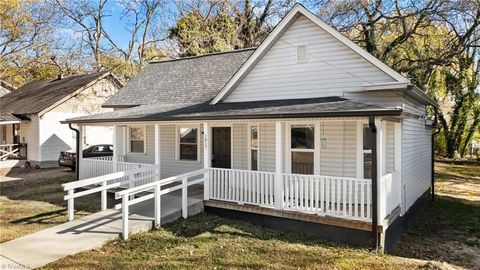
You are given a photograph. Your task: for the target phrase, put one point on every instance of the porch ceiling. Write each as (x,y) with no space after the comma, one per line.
(10,118)
(313,107)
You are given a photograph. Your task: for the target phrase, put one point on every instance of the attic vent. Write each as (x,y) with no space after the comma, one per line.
(301,53)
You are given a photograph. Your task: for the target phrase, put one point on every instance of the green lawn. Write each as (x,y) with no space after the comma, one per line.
(447,230)
(207,241)
(32,200)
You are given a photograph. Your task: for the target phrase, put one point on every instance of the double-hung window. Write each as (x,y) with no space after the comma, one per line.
(137,139)
(302,149)
(187,143)
(367,152)
(253,147)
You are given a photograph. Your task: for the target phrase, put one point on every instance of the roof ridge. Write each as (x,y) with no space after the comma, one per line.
(202,55)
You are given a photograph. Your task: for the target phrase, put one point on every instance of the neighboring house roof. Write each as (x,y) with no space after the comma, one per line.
(326,106)
(5,88)
(38,96)
(187,80)
(9,118)
(292,15)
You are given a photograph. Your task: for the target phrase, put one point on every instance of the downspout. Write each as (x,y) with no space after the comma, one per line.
(373,129)
(77,150)
(435,123)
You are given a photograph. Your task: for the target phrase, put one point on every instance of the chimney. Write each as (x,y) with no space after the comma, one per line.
(60,76)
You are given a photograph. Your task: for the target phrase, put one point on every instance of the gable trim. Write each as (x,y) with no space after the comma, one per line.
(296,11)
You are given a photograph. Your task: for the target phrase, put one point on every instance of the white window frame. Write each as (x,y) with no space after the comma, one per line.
(144,128)
(316,148)
(250,148)
(177,142)
(361,152)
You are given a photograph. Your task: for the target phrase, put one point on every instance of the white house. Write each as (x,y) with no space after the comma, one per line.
(307,132)
(30,128)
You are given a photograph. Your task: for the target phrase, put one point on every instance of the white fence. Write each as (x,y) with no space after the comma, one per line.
(102,184)
(242,186)
(389,194)
(154,191)
(93,167)
(328,195)
(315,194)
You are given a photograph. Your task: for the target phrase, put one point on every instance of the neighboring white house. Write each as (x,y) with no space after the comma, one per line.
(307,132)
(30,117)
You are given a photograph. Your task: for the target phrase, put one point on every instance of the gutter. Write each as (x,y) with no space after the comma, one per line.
(220,116)
(435,123)
(373,128)
(77,150)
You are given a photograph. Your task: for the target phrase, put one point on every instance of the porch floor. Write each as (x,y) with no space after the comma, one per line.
(40,248)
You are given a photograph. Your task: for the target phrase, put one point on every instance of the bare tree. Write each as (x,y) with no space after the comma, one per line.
(88,16)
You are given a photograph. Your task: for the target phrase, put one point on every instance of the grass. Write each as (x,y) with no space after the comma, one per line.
(447,230)
(207,241)
(32,200)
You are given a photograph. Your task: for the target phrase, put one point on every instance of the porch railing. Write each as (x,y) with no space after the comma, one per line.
(242,186)
(93,167)
(315,194)
(389,194)
(154,191)
(132,178)
(14,151)
(328,195)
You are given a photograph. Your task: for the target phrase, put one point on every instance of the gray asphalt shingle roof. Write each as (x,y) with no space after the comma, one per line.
(183,81)
(327,106)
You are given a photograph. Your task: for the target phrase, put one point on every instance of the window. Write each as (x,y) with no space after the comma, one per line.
(188,143)
(302,149)
(16,133)
(253,145)
(102,149)
(367,152)
(137,139)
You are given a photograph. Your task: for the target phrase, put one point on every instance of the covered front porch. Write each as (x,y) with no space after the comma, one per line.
(320,168)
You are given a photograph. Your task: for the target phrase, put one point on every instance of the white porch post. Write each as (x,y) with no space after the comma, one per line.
(381,132)
(115,149)
(278,188)
(80,153)
(157,152)
(398,162)
(207,160)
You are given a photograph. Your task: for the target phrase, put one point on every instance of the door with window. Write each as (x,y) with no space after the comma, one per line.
(221,147)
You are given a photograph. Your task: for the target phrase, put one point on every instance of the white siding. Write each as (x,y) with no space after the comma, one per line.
(240,147)
(416,160)
(338,158)
(331,70)
(390,147)
(54,136)
(149,156)
(29,135)
(267,147)
(169,165)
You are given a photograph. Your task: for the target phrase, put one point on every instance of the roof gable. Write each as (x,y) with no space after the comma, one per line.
(300,15)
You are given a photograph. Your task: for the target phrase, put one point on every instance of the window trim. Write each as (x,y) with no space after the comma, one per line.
(360,151)
(250,148)
(129,138)
(315,150)
(177,142)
